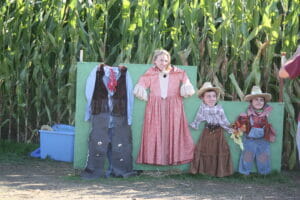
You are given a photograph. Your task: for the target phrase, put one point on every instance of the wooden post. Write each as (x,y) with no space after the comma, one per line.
(81,56)
(281,83)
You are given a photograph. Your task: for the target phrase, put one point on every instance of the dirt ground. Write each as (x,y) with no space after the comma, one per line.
(43,180)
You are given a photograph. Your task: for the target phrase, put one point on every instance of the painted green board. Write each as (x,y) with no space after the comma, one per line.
(232,110)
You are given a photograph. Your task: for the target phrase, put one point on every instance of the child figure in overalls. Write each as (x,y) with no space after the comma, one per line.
(212,153)
(258,135)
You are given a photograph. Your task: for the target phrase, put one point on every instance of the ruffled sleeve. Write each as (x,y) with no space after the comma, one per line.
(186,88)
(140,89)
(140,92)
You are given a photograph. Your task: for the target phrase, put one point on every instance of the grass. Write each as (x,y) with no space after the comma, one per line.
(12,152)
(16,148)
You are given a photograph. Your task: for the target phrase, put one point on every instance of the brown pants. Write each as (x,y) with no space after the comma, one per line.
(212,155)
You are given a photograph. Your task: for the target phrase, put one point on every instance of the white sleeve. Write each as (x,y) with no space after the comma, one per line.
(89,90)
(187,89)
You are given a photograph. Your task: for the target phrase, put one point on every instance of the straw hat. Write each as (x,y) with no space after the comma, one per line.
(208,86)
(256,92)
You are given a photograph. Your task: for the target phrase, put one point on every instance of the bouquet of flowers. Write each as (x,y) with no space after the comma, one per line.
(237,135)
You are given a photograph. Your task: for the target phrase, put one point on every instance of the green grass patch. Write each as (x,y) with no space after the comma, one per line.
(12,152)
(17,148)
(272,178)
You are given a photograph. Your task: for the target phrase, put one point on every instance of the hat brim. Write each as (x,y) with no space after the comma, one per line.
(203,90)
(266,96)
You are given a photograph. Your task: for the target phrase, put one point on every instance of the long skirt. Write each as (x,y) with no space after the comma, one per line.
(212,154)
(166,138)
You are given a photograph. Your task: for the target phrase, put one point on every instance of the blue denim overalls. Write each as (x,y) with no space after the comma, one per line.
(255,148)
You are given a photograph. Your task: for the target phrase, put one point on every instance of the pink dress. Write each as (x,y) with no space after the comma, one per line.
(166,138)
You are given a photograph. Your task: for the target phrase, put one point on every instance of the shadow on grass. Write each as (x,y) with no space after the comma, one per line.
(272,178)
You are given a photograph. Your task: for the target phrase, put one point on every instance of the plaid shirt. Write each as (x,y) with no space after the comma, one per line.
(212,115)
(260,120)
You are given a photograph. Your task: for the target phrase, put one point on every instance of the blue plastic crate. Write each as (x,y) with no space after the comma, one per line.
(36,153)
(59,143)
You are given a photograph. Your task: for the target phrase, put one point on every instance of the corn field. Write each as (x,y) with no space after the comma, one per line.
(235,44)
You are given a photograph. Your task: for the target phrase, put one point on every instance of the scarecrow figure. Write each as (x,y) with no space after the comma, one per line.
(166,138)
(109,109)
(258,133)
(212,153)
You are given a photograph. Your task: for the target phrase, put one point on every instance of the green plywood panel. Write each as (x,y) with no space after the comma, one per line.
(232,110)
(81,127)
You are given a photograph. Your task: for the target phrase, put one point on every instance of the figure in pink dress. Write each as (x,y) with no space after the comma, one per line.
(166,138)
